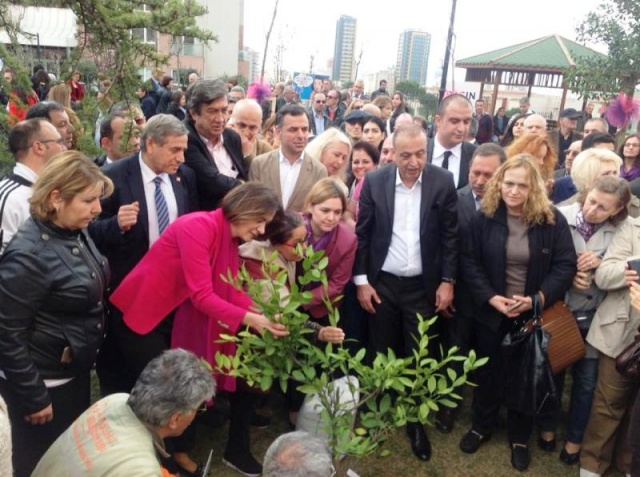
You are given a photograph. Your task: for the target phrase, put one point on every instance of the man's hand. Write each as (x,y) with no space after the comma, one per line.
(444,298)
(128,216)
(247,145)
(367,296)
(41,417)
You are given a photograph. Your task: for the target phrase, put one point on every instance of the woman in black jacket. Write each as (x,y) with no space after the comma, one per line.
(52,287)
(518,246)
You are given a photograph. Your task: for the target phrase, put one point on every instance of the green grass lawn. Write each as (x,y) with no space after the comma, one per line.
(492,460)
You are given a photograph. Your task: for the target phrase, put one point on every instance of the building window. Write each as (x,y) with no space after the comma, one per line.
(146,35)
(186,46)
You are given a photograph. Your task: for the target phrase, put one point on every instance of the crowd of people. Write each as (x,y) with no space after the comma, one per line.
(118,261)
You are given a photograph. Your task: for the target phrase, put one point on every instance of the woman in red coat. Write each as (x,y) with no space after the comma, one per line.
(183,270)
(76,88)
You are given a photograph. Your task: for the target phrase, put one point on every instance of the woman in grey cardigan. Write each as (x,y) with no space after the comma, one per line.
(593,221)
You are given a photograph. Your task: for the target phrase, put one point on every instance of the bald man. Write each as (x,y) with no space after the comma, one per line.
(535,124)
(372,110)
(246,120)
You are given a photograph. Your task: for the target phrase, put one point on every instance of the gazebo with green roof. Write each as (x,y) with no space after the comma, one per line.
(541,62)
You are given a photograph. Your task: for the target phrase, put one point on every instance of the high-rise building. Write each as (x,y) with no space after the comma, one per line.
(344,52)
(413,56)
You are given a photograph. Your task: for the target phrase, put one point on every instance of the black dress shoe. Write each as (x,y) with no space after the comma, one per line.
(547,446)
(444,420)
(420,444)
(472,440)
(520,456)
(185,473)
(260,421)
(569,459)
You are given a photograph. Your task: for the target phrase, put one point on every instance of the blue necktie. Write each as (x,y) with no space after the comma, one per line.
(161,206)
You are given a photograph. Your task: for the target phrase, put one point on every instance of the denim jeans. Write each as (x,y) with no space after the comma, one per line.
(585,375)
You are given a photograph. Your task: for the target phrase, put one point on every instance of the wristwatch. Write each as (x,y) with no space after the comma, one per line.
(452,281)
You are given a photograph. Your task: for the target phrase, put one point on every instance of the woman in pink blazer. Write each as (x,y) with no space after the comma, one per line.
(182,271)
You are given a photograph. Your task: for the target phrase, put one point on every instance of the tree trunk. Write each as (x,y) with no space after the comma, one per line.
(266,43)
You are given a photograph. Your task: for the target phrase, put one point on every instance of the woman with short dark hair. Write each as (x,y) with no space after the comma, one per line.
(177,105)
(185,269)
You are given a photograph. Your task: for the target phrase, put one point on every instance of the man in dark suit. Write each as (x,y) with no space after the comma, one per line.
(119,138)
(132,218)
(319,121)
(565,134)
(335,108)
(448,148)
(484,133)
(214,152)
(406,262)
(486,160)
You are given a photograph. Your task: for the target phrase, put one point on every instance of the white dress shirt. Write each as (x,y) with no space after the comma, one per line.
(221,157)
(454,159)
(289,174)
(149,194)
(318,119)
(404,258)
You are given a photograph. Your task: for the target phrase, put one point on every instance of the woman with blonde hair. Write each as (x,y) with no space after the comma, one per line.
(355,105)
(386,107)
(60,94)
(332,148)
(52,315)
(519,250)
(589,166)
(324,206)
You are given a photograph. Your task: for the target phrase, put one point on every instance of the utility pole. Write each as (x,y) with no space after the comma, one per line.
(447,53)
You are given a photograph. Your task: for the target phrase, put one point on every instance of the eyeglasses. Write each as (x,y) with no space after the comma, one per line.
(60,141)
(303,241)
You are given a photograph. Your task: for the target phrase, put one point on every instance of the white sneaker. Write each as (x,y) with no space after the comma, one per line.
(588,473)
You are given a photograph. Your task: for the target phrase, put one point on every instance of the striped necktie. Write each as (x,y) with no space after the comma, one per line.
(161,206)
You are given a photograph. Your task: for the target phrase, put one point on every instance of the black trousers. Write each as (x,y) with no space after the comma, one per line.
(125,353)
(487,396)
(395,323)
(30,442)
(242,405)
(354,321)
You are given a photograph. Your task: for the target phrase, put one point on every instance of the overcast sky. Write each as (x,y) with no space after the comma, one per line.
(308,28)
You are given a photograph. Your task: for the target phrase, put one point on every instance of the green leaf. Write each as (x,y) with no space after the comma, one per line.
(431,384)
